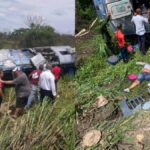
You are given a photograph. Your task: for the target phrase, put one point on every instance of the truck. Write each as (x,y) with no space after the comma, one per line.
(121,13)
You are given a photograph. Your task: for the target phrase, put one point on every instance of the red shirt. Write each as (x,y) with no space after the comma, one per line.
(120,38)
(35,74)
(56,71)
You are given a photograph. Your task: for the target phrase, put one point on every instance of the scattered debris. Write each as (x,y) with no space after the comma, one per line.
(113,60)
(140,137)
(101,101)
(91,138)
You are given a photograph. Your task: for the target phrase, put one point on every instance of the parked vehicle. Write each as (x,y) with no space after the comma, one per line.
(121,13)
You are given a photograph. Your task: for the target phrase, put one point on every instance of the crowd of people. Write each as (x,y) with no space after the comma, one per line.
(40,83)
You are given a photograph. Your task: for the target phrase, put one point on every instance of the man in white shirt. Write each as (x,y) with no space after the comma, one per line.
(139,22)
(47,84)
(143,76)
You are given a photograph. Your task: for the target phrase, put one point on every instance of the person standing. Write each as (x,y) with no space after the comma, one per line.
(56,70)
(121,43)
(139,22)
(47,84)
(22,89)
(34,76)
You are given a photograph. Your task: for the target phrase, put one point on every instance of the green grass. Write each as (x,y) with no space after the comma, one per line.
(43,127)
(96,77)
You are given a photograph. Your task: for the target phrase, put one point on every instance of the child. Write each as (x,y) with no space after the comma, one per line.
(121,42)
(1,87)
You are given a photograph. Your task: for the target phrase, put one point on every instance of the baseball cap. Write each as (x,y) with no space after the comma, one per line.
(16,69)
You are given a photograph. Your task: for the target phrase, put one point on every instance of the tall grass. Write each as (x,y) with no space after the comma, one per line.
(96,77)
(43,127)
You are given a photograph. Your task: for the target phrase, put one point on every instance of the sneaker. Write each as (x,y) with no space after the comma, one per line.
(127,90)
(148,84)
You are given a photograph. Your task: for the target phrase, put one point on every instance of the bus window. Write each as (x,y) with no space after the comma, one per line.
(119,9)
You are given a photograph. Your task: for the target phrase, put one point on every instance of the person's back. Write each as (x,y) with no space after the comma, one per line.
(22,85)
(47,84)
(35,76)
(45,78)
(139,22)
(120,38)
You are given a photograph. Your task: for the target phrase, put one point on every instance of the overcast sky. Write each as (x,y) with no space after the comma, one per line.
(60,14)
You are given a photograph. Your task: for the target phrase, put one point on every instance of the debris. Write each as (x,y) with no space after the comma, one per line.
(91,138)
(113,60)
(140,137)
(101,101)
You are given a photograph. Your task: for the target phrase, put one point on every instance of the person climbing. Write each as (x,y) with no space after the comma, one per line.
(119,36)
(1,87)
(143,76)
(22,88)
(47,84)
(139,22)
(34,76)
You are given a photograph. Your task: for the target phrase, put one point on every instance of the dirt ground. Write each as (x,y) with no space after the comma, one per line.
(139,137)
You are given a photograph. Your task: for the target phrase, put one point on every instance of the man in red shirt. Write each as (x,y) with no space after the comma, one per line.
(56,70)
(121,43)
(34,79)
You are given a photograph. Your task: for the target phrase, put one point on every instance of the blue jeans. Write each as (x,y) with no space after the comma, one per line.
(124,53)
(141,41)
(33,96)
(143,76)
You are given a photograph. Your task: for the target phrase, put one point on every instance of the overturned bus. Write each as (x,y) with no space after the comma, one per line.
(30,58)
(121,13)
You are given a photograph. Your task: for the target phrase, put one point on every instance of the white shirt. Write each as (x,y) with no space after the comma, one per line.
(139,22)
(147,66)
(47,81)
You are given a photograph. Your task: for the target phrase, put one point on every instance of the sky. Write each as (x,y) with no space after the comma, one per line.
(60,14)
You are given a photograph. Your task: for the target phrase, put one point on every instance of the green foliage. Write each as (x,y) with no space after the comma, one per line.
(85,14)
(44,126)
(96,77)
(41,35)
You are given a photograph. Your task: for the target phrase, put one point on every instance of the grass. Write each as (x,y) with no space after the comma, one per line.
(43,127)
(96,77)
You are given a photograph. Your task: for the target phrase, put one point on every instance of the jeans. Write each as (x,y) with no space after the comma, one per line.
(141,41)
(143,76)
(124,53)
(33,95)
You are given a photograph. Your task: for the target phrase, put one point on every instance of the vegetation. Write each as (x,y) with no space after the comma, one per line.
(85,13)
(44,126)
(96,77)
(37,34)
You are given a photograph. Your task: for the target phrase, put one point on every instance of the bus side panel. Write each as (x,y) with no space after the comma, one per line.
(100,7)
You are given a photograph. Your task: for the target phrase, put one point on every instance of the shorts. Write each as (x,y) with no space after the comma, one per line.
(21,102)
(143,76)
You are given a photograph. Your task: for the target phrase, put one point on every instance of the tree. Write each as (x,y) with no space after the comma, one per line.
(85,14)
